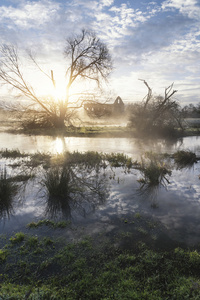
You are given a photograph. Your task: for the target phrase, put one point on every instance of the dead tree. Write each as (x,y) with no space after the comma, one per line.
(157,114)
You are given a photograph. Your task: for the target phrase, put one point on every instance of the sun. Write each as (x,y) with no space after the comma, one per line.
(59,93)
(58,90)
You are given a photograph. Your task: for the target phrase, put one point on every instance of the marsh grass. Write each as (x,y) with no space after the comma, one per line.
(39,158)
(154,170)
(184,158)
(120,160)
(89,159)
(92,159)
(50,223)
(12,153)
(59,185)
(7,191)
(72,186)
(58,182)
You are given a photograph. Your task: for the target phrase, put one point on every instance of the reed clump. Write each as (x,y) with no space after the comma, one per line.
(184,158)
(154,170)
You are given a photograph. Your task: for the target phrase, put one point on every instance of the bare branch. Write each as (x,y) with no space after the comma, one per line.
(149,95)
(89,58)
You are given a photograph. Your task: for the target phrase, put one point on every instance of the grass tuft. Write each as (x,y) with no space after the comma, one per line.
(58,182)
(184,158)
(12,153)
(50,223)
(18,238)
(154,170)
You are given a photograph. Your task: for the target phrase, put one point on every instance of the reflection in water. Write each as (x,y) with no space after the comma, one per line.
(155,170)
(7,190)
(6,207)
(60,145)
(58,207)
(150,192)
(179,204)
(72,189)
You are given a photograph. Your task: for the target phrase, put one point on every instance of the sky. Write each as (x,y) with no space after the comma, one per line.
(157,41)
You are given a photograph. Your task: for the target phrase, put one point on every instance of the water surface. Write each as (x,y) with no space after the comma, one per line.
(130,146)
(176,207)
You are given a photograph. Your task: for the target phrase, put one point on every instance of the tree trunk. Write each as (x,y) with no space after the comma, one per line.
(59,121)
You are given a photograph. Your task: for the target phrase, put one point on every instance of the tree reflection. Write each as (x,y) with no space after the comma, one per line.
(155,171)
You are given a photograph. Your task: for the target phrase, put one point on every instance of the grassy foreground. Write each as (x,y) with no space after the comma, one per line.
(47,268)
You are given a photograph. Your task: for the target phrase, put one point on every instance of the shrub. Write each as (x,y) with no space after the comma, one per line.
(157,116)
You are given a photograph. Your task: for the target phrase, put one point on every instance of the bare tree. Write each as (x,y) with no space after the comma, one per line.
(160,115)
(88,58)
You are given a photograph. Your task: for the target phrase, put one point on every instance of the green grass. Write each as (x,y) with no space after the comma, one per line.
(47,268)
(50,223)
(3,255)
(18,238)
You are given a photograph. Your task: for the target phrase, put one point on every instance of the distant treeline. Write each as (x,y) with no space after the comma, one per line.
(188,111)
(191,111)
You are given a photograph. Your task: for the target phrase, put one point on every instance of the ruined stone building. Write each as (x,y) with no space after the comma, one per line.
(103,110)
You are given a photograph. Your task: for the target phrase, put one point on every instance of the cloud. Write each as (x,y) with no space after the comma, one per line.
(158,41)
(29,15)
(189,8)
(106,2)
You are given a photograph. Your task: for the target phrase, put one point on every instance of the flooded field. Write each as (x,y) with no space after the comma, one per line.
(117,200)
